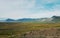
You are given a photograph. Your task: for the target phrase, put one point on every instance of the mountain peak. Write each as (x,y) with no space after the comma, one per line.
(10,19)
(56,17)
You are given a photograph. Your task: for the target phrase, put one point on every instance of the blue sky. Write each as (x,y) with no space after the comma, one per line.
(29,8)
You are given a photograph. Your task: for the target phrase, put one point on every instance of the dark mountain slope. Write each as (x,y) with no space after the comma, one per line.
(56,18)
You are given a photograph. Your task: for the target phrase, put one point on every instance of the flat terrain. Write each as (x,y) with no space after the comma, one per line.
(29,30)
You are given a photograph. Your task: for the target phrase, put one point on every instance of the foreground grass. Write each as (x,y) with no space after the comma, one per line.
(15,30)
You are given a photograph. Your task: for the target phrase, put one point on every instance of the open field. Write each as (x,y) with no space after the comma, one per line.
(17,30)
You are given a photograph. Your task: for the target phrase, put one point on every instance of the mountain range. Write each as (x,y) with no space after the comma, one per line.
(52,19)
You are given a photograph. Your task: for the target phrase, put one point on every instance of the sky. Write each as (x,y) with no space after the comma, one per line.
(29,8)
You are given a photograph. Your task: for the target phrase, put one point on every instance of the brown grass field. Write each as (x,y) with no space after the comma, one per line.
(28,30)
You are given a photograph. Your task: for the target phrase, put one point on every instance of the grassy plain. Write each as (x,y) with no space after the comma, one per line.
(17,29)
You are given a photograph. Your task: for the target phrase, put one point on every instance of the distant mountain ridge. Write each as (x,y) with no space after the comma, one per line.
(9,20)
(52,19)
(25,19)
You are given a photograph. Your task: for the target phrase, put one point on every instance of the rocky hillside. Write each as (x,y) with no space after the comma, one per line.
(43,33)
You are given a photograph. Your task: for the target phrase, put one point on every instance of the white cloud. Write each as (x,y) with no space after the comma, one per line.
(17,4)
(43,14)
(15,8)
(28,8)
